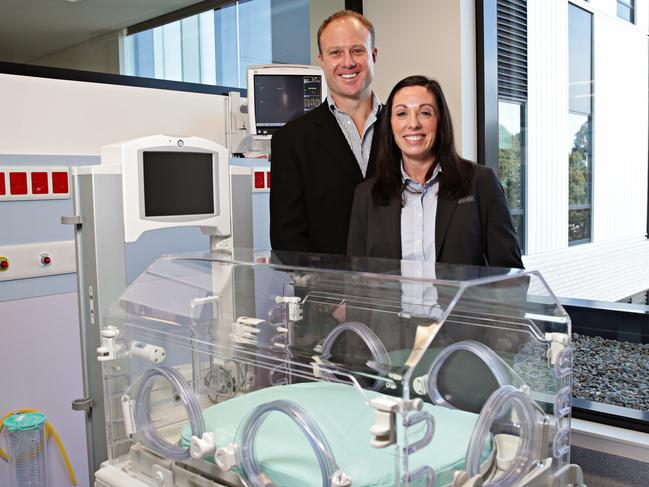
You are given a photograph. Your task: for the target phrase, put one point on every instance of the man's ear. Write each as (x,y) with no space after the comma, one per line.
(320,60)
(375,53)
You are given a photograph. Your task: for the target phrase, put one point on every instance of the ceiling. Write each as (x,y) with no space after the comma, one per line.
(30,29)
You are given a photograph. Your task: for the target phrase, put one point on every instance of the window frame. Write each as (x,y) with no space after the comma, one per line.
(22,69)
(487,100)
(630,4)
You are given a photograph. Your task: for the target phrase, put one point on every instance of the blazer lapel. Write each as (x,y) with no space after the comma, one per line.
(445,210)
(333,141)
(389,225)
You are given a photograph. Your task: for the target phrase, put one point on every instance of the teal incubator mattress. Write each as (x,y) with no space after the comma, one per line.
(288,460)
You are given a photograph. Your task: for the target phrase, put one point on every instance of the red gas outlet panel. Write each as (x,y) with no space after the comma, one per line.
(34,183)
(260,180)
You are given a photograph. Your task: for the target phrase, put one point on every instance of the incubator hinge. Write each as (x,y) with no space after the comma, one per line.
(386,408)
(420,385)
(384,429)
(294,306)
(84,404)
(107,349)
(558,342)
(128,415)
(321,368)
(76,220)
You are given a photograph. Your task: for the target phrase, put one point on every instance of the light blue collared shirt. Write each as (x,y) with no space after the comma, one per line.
(418,217)
(360,144)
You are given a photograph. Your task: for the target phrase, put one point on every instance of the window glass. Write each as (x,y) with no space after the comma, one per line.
(579,182)
(580,154)
(580,59)
(511,155)
(217,46)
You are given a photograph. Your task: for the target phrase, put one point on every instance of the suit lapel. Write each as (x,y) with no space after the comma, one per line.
(390,226)
(333,141)
(445,210)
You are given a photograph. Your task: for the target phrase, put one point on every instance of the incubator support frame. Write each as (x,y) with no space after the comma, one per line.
(98,222)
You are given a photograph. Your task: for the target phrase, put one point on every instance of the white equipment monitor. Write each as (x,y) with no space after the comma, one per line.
(172,182)
(278,93)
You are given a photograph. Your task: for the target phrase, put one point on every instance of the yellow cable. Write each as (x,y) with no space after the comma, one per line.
(49,429)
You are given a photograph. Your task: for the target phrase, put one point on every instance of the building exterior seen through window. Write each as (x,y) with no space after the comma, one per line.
(511,161)
(216,47)
(511,20)
(626,10)
(580,153)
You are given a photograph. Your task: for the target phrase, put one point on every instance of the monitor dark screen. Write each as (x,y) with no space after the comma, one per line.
(177,183)
(281,98)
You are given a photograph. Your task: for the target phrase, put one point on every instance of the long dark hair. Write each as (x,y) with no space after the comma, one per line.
(455,180)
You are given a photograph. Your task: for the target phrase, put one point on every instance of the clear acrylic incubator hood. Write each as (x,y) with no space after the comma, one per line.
(287,369)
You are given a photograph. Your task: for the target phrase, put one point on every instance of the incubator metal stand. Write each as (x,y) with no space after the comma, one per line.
(232,368)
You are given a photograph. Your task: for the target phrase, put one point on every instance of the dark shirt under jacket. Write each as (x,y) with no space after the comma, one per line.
(314,175)
(474,230)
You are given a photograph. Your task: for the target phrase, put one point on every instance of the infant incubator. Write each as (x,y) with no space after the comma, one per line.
(236,368)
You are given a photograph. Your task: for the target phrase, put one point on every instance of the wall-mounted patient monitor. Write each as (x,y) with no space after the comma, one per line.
(172,182)
(278,93)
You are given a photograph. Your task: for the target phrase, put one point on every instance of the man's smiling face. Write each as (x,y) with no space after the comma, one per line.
(347,59)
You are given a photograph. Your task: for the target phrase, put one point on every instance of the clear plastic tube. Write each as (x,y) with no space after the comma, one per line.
(247,453)
(373,342)
(529,440)
(498,368)
(142,412)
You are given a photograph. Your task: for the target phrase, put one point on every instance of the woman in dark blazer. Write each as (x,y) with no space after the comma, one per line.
(421,179)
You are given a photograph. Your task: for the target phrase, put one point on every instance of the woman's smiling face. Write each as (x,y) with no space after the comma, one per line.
(414,123)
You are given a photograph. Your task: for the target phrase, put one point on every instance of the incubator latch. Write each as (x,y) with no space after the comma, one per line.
(226,457)
(341,479)
(202,447)
(384,428)
(317,362)
(246,329)
(557,343)
(294,306)
(106,351)
(152,353)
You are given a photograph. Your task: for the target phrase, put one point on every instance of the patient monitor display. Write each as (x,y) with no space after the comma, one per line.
(177,183)
(278,94)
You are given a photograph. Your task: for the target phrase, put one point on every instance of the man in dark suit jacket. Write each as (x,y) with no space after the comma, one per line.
(474,230)
(318,159)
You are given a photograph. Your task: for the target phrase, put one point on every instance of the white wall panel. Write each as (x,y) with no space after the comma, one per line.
(99,54)
(46,116)
(318,11)
(619,130)
(41,363)
(547,122)
(642,15)
(435,38)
